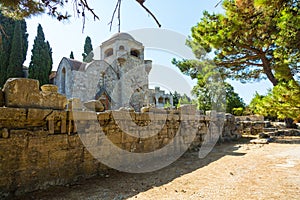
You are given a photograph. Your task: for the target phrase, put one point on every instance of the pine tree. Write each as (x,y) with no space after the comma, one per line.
(41,60)
(88,50)
(72,55)
(16,59)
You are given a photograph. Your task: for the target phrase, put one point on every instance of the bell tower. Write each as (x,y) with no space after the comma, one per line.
(119,47)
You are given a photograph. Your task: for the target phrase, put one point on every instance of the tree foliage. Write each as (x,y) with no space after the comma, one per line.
(205,97)
(211,90)
(88,50)
(253,40)
(282,102)
(176,97)
(41,59)
(20,9)
(72,55)
(16,58)
(7,49)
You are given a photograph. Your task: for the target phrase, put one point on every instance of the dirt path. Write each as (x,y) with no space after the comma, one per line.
(231,171)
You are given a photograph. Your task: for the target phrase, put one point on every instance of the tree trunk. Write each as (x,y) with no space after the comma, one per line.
(289,123)
(268,70)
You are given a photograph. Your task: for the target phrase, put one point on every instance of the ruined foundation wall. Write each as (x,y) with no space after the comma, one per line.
(41,142)
(39,148)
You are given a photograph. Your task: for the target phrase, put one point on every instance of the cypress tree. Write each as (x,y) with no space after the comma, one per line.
(24,35)
(88,50)
(5,47)
(41,59)
(7,38)
(49,49)
(72,55)
(16,59)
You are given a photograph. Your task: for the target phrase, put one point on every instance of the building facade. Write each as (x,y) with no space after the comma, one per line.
(118,79)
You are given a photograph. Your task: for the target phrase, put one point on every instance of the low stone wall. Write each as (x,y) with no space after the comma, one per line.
(41,143)
(251,127)
(39,148)
(250,118)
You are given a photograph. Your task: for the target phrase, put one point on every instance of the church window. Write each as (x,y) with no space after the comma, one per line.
(160,100)
(135,53)
(108,52)
(63,81)
(122,48)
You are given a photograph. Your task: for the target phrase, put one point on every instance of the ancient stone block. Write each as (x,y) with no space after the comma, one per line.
(74,104)
(94,105)
(38,114)
(49,88)
(52,100)
(25,93)
(12,114)
(82,115)
(103,116)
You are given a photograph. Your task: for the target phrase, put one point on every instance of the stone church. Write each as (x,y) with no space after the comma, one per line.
(118,79)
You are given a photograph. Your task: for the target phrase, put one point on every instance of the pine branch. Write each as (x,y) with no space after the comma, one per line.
(141,2)
(113,15)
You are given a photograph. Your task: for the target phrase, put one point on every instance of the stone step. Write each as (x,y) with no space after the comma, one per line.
(270,129)
(262,141)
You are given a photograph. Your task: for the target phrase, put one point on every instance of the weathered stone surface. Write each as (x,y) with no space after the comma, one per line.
(188,107)
(12,114)
(4,133)
(53,101)
(25,93)
(126,109)
(36,150)
(94,105)
(74,104)
(250,118)
(145,109)
(1,98)
(38,114)
(49,88)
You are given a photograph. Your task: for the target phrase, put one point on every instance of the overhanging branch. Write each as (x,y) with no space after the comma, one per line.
(141,2)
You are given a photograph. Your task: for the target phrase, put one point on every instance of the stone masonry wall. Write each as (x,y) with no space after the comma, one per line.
(41,141)
(39,148)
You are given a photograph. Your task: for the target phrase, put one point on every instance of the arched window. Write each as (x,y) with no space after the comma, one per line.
(109,52)
(63,81)
(167,100)
(160,100)
(121,48)
(154,100)
(135,53)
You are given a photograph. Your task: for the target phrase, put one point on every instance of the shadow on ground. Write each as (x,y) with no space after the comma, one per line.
(119,185)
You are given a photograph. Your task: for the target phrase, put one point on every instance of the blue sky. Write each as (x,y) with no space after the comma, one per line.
(176,15)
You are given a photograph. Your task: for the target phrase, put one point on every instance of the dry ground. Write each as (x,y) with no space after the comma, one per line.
(236,170)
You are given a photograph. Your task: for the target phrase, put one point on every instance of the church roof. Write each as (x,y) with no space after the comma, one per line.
(76,65)
(122,36)
(103,91)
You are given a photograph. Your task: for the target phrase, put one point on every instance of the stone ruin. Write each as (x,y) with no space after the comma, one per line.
(40,145)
